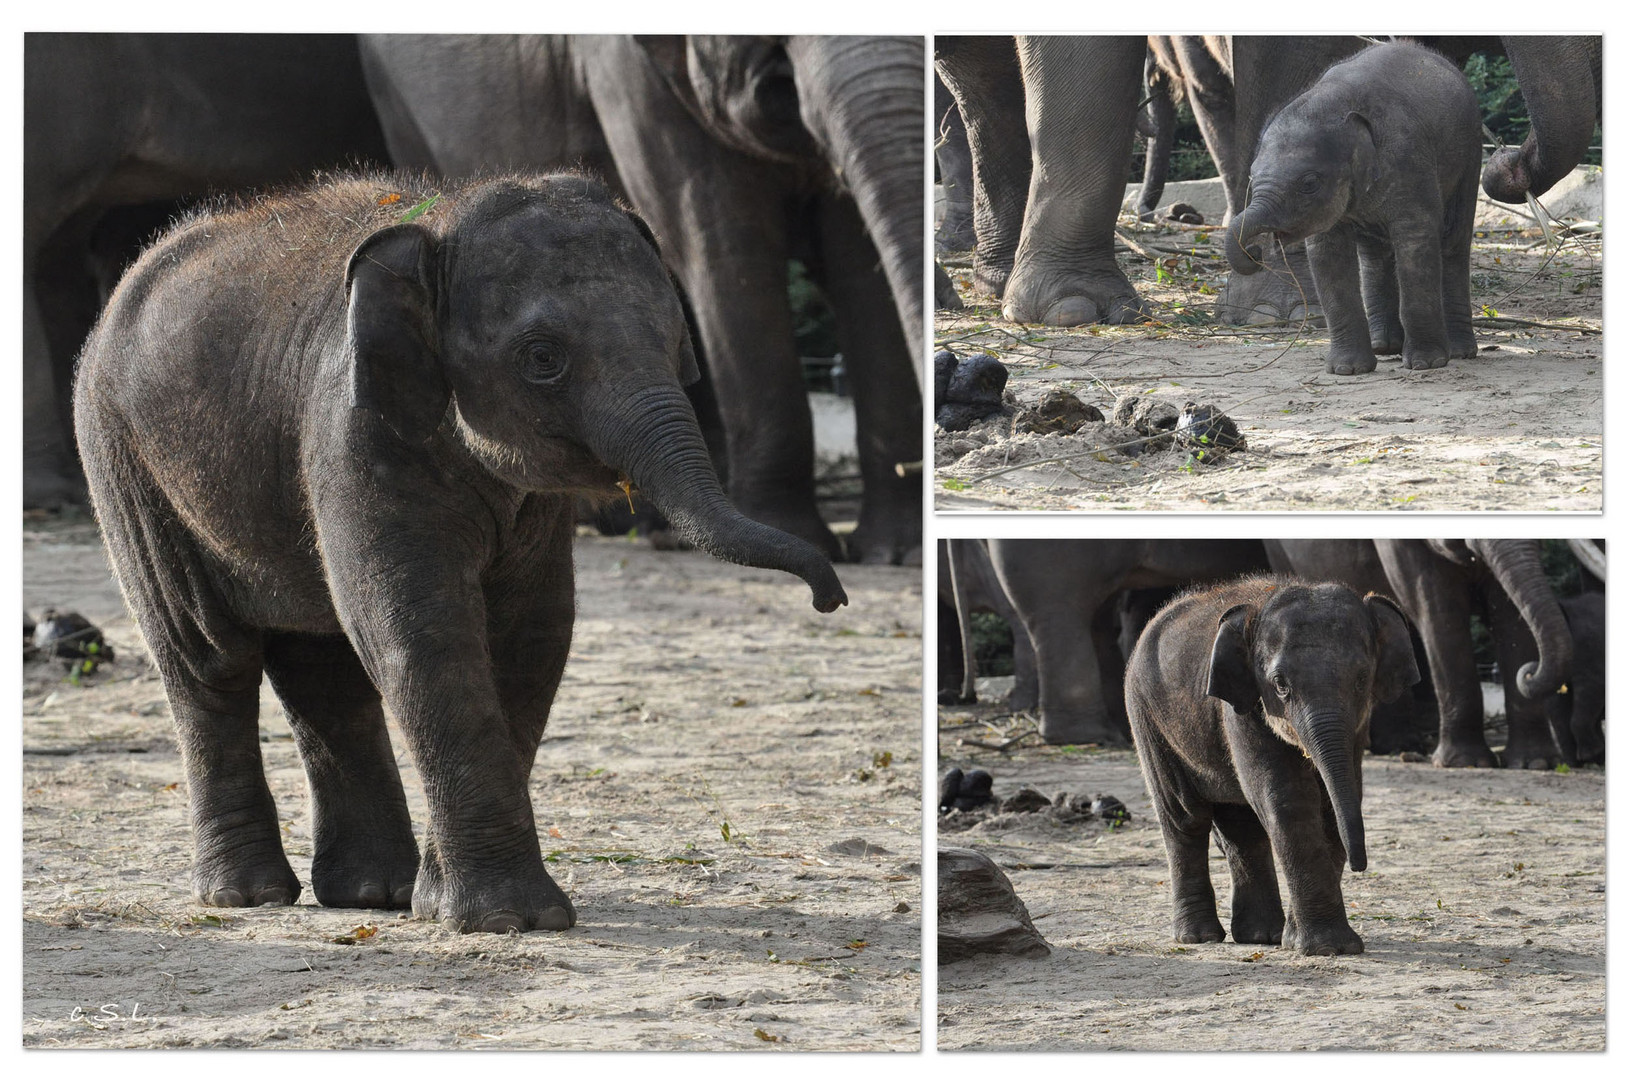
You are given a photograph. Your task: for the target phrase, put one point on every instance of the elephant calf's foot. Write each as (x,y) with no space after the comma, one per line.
(378,883)
(1257,929)
(1463,754)
(1324,939)
(1073,299)
(496,907)
(265,881)
(1199,927)
(1424,358)
(1351,362)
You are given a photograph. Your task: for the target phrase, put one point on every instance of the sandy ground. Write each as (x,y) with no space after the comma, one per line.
(713,792)
(1517,428)
(1482,912)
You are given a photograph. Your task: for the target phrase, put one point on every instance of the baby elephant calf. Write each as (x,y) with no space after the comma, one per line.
(1249,704)
(1375,165)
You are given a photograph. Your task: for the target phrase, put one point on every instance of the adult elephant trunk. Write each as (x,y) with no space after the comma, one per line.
(1246,256)
(1519,569)
(863,100)
(1559,79)
(652,435)
(1327,737)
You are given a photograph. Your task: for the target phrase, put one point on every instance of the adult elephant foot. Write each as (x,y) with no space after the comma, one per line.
(1282,292)
(1463,754)
(496,906)
(1527,750)
(888,536)
(1323,939)
(1066,729)
(1072,298)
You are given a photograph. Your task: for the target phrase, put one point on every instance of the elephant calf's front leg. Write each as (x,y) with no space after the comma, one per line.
(1334,266)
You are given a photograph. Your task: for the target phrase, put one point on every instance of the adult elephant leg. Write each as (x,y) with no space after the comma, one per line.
(957,231)
(363,850)
(984,77)
(1056,599)
(1436,596)
(1213,103)
(49,479)
(884,389)
(1081,99)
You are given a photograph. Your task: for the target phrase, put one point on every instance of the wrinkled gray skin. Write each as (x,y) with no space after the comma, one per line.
(1063,592)
(1439,583)
(966,584)
(1585,725)
(111,121)
(1376,168)
(343,451)
(1249,706)
(741,152)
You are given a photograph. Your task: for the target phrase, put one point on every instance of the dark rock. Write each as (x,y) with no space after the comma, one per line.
(944,294)
(1151,417)
(1059,413)
(978,912)
(1185,213)
(967,390)
(1209,430)
(1025,801)
(71,637)
(1110,808)
(960,790)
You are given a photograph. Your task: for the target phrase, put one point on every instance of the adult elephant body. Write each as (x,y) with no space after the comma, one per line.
(347,457)
(1061,589)
(741,152)
(120,120)
(1439,583)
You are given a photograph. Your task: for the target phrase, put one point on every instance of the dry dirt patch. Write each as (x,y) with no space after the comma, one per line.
(713,792)
(1482,911)
(1517,428)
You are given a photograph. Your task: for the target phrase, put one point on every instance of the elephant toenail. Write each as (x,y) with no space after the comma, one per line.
(555,918)
(227,898)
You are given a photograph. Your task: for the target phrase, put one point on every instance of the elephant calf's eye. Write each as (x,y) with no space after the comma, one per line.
(1310,185)
(1279,684)
(542,363)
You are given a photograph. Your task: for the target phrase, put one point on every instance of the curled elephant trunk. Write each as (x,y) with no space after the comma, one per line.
(1328,739)
(652,434)
(863,99)
(1245,256)
(1518,566)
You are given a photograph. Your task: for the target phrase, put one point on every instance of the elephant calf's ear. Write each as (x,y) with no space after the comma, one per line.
(1367,150)
(1396,670)
(1230,668)
(391,332)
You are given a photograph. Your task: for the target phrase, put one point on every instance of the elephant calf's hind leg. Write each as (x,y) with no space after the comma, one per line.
(363,854)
